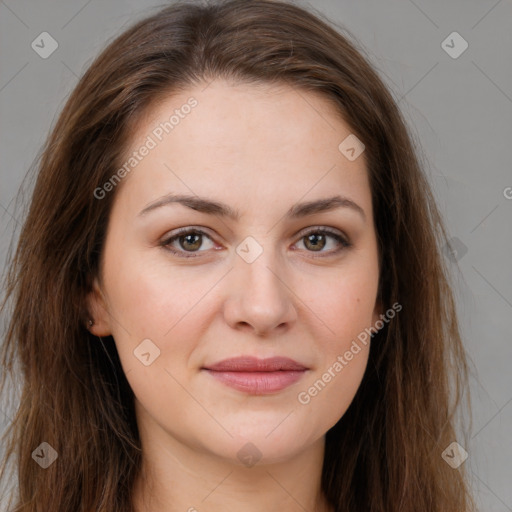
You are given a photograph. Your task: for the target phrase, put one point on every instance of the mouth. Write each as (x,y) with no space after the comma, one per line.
(257,376)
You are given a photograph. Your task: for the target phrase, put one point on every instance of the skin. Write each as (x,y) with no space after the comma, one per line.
(259,149)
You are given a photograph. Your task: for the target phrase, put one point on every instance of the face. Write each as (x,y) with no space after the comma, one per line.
(257,275)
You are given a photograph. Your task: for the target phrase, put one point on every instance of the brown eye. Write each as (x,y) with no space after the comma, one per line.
(189,240)
(317,240)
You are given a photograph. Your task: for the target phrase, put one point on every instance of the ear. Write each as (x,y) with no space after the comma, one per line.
(98,311)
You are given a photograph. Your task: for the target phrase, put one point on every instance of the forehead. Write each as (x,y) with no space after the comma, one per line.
(244,141)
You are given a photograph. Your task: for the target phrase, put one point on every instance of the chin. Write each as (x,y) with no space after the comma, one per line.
(255,445)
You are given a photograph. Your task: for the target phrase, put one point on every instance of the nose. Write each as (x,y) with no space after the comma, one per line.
(259,299)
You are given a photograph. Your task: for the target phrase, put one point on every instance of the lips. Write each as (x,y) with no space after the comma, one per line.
(257,376)
(253,364)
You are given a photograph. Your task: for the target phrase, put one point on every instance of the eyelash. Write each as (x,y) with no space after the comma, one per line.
(166,243)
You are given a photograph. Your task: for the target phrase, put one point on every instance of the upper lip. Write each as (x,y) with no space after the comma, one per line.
(253,364)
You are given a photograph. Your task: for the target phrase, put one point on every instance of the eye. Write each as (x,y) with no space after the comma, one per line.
(191,239)
(316,239)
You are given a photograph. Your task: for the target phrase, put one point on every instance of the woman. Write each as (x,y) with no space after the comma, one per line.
(229,289)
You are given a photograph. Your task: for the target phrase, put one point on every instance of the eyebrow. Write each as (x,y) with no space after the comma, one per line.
(210,207)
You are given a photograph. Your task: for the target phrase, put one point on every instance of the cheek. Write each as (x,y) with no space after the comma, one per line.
(156,313)
(344,311)
(150,297)
(325,398)
(344,305)
(344,349)
(145,305)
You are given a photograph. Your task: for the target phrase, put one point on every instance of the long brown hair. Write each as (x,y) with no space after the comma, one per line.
(384,454)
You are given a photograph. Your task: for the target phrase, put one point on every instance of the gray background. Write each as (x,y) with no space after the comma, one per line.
(458,109)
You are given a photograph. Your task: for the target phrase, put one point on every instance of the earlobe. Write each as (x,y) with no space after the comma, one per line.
(97,312)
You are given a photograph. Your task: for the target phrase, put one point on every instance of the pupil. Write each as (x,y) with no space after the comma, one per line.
(187,237)
(315,244)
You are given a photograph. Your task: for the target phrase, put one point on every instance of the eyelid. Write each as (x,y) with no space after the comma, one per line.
(179,232)
(326,229)
(335,233)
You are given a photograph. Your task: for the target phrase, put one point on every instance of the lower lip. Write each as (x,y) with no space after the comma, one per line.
(258,383)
